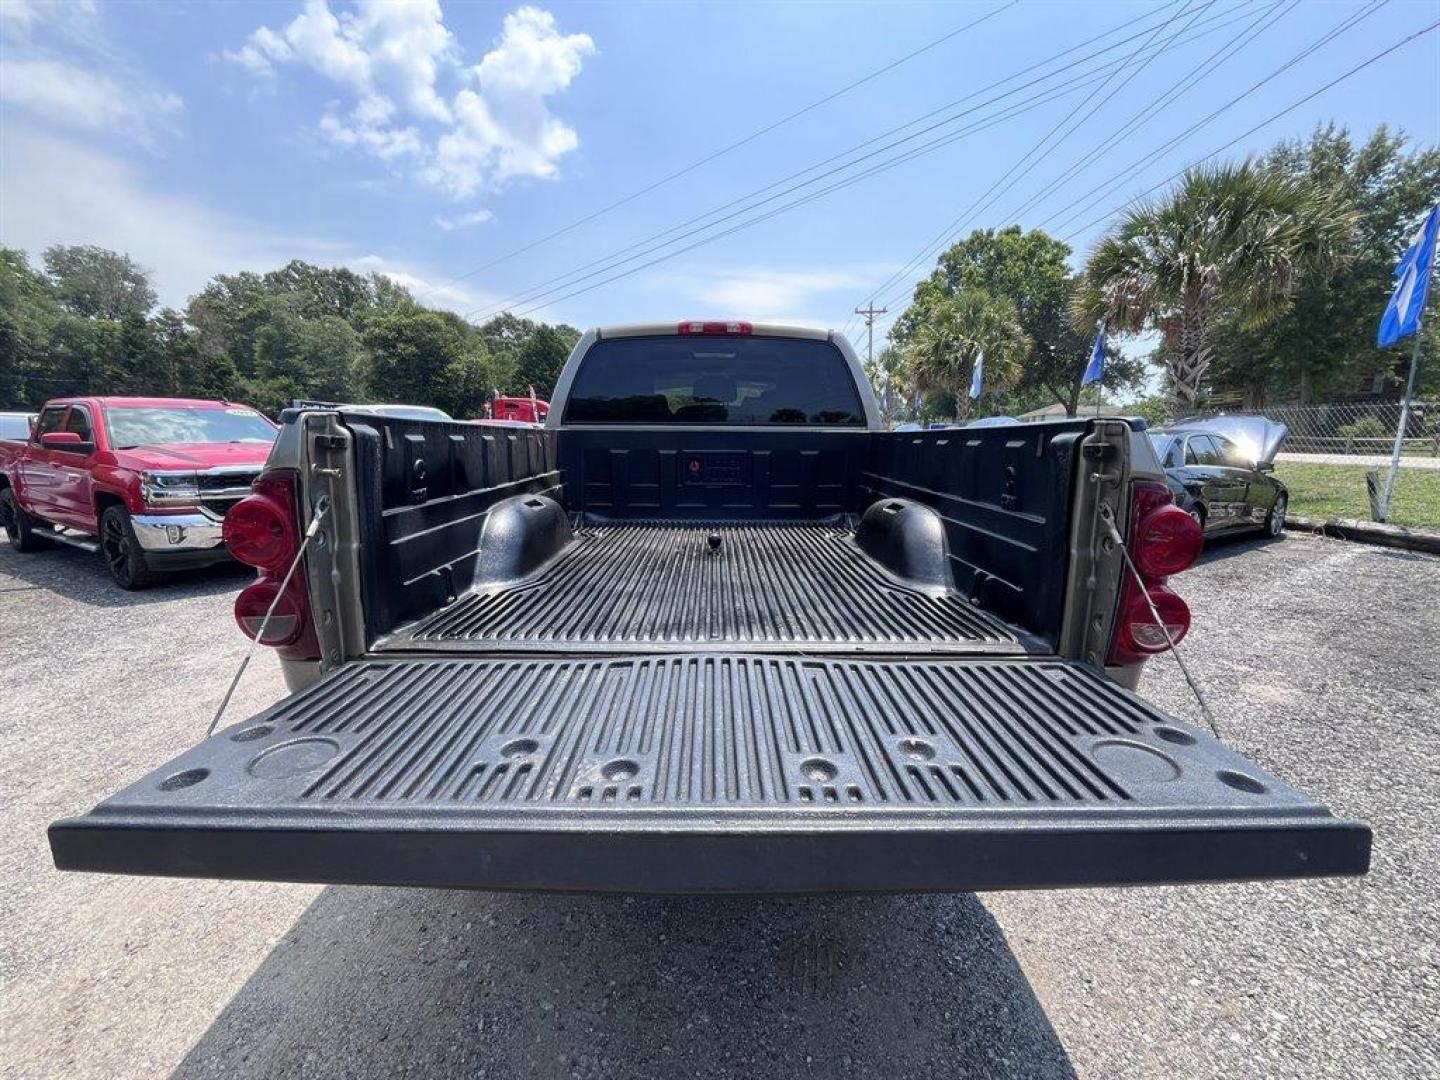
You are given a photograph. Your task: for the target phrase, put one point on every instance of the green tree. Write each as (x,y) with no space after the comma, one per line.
(526,353)
(1230,241)
(428,358)
(1031,270)
(1323,346)
(951,330)
(28,312)
(98,284)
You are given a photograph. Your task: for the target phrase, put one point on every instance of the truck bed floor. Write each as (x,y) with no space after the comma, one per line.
(773,586)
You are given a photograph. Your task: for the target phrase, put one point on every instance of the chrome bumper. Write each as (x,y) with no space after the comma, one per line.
(177,532)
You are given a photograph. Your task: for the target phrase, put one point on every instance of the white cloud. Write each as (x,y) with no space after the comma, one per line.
(63,93)
(393,57)
(180,240)
(464,221)
(59,66)
(778,295)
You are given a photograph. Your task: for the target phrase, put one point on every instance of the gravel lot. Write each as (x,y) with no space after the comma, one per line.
(1320,657)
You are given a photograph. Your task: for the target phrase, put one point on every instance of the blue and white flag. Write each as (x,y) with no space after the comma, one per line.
(977,379)
(1096,366)
(1412,284)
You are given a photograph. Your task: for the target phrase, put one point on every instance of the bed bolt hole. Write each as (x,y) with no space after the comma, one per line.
(917,749)
(519,747)
(1241,782)
(1175,735)
(818,770)
(188,778)
(259,731)
(620,769)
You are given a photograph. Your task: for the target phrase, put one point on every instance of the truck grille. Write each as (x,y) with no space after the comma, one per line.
(222,489)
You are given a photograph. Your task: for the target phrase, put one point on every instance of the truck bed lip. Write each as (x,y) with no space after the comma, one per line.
(704,773)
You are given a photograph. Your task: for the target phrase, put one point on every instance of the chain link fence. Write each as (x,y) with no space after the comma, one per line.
(1354,428)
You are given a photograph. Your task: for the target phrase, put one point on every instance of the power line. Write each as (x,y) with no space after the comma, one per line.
(1268,17)
(1105,187)
(803,200)
(1130,170)
(939,242)
(570,277)
(708,158)
(1268,120)
(658,241)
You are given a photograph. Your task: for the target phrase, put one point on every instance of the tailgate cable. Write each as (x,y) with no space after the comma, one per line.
(1109,519)
(322,507)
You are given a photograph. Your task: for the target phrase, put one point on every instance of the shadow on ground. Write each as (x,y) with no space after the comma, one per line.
(430,983)
(1224,546)
(81,576)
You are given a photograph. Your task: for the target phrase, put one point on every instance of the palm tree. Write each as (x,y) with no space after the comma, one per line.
(952,329)
(1231,239)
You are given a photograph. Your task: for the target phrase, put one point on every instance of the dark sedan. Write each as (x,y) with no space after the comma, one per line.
(1223,484)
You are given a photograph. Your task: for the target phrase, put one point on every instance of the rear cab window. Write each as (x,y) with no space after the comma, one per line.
(721,381)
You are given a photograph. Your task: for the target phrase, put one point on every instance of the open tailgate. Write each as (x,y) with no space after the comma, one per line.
(713,773)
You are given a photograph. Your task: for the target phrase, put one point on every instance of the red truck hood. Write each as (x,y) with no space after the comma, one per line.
(193,455)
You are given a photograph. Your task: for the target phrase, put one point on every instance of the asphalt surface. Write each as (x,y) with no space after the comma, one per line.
(1320,659)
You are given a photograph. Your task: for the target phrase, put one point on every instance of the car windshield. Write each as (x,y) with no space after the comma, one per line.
(714,380)
(159,425)
(1162,443)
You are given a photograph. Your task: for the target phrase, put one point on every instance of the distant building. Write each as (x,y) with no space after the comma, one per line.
(1057,412)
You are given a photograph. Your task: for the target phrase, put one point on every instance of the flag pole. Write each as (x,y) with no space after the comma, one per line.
(1404,419)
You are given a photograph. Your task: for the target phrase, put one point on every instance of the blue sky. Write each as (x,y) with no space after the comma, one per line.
(428,140)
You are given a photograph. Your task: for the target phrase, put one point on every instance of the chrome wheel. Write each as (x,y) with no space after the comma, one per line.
(1275,523)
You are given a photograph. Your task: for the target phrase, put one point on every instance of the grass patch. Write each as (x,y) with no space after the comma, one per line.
(1325,491)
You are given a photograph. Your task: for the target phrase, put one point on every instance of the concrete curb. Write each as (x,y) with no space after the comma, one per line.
(1369,532)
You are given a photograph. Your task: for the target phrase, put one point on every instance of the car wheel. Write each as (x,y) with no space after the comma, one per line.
(1198,516)
(123,555)
(1275,522)
(19,526)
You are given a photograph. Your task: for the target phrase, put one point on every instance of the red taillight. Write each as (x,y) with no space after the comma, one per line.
(259,530)
(254,602)
(720,329)
(262,530)
(1166,541)
(1162,540)
(1139,633)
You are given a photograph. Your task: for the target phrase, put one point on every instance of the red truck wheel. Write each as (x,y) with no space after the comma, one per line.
(19,526)
(122,552)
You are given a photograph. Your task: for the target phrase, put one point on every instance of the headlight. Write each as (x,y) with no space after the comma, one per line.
(170,488)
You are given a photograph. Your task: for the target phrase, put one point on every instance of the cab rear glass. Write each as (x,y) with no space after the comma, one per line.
(722,381)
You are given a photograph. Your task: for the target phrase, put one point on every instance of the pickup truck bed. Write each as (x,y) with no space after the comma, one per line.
(713,773)
(763,585)
(675,655)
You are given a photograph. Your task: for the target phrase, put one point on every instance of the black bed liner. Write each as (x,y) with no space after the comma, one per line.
(623,588)
(713,772)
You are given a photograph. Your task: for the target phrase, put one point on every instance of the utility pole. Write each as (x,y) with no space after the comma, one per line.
(869,312)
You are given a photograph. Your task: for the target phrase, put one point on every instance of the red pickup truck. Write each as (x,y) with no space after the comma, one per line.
(144,481)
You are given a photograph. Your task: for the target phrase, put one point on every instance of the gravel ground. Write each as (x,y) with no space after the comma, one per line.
(1320,659)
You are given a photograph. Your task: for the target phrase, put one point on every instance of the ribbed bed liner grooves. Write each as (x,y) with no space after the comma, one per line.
(716,730)
(629,586)
(713,773)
